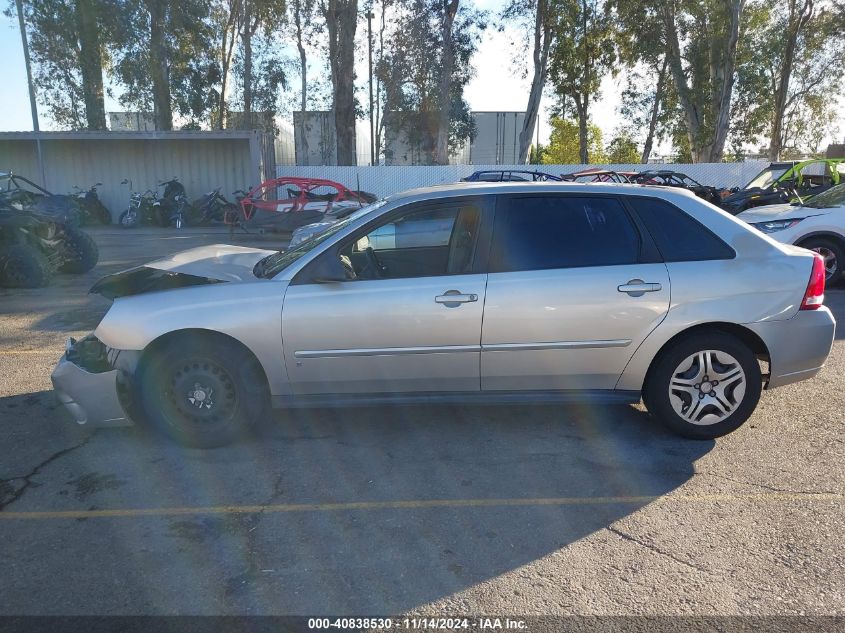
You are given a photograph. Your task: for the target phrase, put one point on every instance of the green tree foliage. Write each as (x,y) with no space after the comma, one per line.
(583,53)
(166,61)
(789,75)
(67,40)
(622,150)
(564,146)
(410,71)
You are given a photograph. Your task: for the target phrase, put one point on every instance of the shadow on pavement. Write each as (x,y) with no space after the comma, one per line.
(275,559)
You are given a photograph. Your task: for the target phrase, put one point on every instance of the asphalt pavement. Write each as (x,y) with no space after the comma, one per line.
(438,510)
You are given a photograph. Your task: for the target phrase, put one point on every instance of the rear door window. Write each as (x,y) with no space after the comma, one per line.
(548,232)
(679,236)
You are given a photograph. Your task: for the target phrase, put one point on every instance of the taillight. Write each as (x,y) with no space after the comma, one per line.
(814,296)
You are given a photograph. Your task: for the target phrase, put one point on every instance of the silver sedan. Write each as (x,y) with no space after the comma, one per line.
(468,293)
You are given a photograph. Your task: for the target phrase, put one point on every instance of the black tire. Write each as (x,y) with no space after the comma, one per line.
(202,391)
(81,252)
(657,387)
(126,222)
(834,257)
(24,266)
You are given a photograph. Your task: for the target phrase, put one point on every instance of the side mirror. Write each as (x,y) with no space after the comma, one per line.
(328,269)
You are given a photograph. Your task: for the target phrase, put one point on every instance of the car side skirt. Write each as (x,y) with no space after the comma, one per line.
(342,400)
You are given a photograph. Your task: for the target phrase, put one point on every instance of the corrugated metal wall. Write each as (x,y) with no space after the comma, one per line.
(386,180)
(201,164)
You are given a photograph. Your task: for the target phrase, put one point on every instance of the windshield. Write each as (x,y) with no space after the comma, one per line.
(766,177)
(833,197)
(273,264)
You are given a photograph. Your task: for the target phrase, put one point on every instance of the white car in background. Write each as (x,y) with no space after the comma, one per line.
(818,224)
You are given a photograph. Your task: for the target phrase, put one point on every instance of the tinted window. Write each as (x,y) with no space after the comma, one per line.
(679,237)
(538,233)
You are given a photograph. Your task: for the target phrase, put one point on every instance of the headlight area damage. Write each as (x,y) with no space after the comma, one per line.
(92,381)
(136,281)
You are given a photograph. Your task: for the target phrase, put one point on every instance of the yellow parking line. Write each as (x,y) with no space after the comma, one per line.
(412,504)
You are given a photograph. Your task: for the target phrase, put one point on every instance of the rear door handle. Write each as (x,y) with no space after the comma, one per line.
(452,298)
(638,287)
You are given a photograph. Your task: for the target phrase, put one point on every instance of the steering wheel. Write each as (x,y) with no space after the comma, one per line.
(379,269)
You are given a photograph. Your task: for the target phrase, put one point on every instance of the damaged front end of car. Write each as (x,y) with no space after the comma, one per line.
(93,382)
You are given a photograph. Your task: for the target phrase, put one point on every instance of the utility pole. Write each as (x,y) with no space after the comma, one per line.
(33,107)
(370,16)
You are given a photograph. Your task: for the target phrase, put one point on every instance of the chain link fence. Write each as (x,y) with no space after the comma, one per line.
(384,181)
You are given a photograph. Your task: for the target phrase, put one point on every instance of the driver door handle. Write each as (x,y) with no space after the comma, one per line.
(638,287)
(455,297)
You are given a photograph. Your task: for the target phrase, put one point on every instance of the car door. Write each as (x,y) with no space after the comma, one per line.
(410,320)
(575,285)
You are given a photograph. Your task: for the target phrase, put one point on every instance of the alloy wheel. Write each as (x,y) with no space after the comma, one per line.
(707,387)
(831,265)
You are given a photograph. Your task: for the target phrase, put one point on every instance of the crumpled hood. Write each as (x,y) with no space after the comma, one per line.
(195,267)
(776,212)
(222,262)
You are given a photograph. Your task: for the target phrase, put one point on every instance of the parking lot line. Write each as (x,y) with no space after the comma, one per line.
(412,504)
(20,352)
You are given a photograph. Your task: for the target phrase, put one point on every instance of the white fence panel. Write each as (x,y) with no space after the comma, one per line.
(387,180)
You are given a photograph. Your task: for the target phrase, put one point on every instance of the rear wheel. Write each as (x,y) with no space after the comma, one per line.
(202,391)
(833,255)
(82,252)
(24,266)
(705,386)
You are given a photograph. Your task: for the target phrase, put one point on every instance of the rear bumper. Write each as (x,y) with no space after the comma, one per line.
(90,397)
(798,347)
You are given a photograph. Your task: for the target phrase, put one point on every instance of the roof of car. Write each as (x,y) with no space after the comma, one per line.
(477,188)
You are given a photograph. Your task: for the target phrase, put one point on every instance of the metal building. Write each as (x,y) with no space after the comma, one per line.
(230,159)
(496,140)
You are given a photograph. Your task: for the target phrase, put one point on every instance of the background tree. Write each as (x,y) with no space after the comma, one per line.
(564,146)
(411,74)
(703,67)
(341,23)
(788,74)
(622,149)
(67,40)
(166,60)
(582,54)
(641,46)
(538,20)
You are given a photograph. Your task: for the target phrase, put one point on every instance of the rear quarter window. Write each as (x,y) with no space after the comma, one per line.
(679,236)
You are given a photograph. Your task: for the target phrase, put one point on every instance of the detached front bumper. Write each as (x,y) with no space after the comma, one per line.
(91,395)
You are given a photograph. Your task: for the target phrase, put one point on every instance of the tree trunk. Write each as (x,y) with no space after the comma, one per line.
(444,87)
(247,38)
(91,64)
(795,25)
(676,68)
(159,71)
(303,75)
(655,112)
(726,77)
(342,22)
(227,48)
(582,108)
(542,44)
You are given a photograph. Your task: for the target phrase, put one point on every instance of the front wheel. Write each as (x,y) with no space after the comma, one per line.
(705,386)
(128,219)
(24,266)
(202,392)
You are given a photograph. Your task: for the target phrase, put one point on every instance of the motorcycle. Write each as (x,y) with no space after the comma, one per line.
(213,207)
(175,209)
(144,208)
(91,208)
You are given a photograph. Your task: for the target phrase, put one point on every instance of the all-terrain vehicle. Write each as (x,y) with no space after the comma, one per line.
(37,241)
(671,178)
(789,181)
